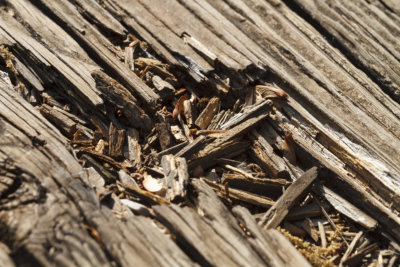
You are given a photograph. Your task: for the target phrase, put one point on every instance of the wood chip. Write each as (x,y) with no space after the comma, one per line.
(309,228)
(322,234)
(116,142)
(208,113)
(176,177)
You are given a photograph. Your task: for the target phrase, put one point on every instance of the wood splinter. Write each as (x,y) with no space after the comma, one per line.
(280,209)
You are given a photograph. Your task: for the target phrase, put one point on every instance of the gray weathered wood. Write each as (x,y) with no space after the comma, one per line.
(51,204)
(337,62)
(176,177)
(280,209)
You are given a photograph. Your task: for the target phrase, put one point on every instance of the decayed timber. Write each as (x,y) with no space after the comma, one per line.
(250,93)
(315,88)
(50,211)
(243,196)
(225,144)
(208,113)
(176,177)
(225,244)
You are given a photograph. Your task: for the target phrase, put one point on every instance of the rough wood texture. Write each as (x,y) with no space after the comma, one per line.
(204,119)
(219,240)
(176,177)
(323,74)
(280,209)
(51,204)
(313,73)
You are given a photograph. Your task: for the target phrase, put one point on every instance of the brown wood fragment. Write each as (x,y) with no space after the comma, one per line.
(120,97)
(264,155)
(176,177)
(240,195)
(226,190)
(262,186)
(280,209)
(225,144)
(187,112)
(173,149)
(392,261)
(321,230)
(310,229)
(104,158)
(290,148)
(178,134)
(207,156)
(116,142)
(164,88)
(356,258)
(133,150)
(346,208)
(192,148)
(208,132)
(143,62)
(143,195)
(208,113)
(63,122)
(164,136)
(253,111)
(99,126)
(100,146)
(129,50)
(311,210)
(158,71)
(294,230)
(185,128)
(245,174)
(82,142)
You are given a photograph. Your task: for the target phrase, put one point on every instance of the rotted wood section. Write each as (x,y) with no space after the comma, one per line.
(199,133)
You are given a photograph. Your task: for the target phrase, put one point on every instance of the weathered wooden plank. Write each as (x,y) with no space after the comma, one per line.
(40,58)
(348,24)
(99,16)
(98,46)
(136,16)
(347,209)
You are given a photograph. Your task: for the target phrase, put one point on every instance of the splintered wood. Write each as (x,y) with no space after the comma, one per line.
(135,135)
(280,209)
(176,177)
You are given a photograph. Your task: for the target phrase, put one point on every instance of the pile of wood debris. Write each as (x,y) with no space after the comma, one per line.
(254,147)
(243,152)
